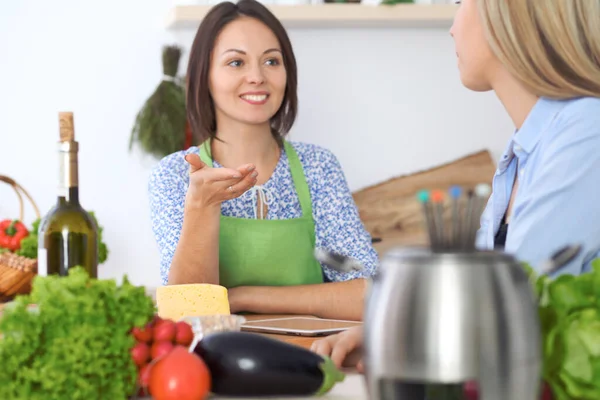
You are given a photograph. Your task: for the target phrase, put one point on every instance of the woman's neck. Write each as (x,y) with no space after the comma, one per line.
(241,144)
(517,100)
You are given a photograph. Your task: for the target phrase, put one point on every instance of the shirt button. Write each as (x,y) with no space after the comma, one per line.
(518,148)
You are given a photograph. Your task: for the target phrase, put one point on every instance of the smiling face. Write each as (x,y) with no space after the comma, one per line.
(476,62)
(247,76)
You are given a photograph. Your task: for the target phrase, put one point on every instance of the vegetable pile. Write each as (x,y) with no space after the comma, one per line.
(80,338)
(75,342)
(158,338)
(166,368)
(226,364)
(570,320)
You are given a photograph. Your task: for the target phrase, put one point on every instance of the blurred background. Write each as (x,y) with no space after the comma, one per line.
(378,87)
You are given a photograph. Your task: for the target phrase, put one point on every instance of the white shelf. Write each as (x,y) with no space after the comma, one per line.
(335,16)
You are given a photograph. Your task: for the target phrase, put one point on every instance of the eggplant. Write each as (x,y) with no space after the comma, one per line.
(250,364)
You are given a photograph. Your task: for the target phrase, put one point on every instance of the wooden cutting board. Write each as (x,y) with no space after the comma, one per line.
(390,209)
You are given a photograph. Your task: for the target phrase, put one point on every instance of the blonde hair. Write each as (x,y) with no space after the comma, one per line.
(551,46)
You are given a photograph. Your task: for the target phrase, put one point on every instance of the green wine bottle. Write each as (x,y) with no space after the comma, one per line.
(68,235)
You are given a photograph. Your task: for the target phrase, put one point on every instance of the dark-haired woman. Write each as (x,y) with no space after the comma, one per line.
(246,208)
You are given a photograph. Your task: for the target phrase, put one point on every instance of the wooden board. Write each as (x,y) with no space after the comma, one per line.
(390,210)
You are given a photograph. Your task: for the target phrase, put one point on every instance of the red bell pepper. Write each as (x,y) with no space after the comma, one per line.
(11,234)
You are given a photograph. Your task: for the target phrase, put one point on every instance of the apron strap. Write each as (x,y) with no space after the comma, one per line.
(295,168)
(205,155)
(299,180)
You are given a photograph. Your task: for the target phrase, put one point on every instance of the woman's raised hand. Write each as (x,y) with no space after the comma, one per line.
(209,186)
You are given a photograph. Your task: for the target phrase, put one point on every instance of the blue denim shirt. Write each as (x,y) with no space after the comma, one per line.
(556,154)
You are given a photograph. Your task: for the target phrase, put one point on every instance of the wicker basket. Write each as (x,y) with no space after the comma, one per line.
(16,272)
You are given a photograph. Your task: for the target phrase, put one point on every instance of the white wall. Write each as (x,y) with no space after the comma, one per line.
(387,102)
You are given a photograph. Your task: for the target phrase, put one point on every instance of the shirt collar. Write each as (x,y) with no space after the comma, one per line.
(538,120)
(525,139)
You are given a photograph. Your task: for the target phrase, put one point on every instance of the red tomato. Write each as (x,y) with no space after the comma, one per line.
(180,375)
(160,349)
(183,333)
(164,331)
(140,353)
(143,334)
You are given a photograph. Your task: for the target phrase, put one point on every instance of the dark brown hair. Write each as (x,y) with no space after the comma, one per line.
(200,105)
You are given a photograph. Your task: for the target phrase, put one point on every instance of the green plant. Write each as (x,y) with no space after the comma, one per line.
(159,126)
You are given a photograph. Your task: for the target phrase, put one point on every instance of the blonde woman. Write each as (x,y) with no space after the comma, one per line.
(542,59)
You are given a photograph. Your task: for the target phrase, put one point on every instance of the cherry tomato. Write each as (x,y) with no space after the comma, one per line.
(144,375)
(160,349)
(143,334)
(144,379)
(183,333)
(140,353)
(164,331)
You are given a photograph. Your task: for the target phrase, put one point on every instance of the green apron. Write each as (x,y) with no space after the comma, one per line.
(262,252)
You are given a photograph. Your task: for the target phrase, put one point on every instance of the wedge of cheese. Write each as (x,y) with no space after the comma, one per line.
(178,301)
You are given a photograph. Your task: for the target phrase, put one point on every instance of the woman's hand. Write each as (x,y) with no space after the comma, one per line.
(209,187)
(344,349)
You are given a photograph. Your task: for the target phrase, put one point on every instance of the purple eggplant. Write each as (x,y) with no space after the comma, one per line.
(250,364)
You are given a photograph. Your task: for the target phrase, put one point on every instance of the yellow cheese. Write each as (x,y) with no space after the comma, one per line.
(177,301)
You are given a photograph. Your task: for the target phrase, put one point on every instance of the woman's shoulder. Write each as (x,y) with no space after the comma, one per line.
(584,110)
(575,123)
(583,105)
(312,155)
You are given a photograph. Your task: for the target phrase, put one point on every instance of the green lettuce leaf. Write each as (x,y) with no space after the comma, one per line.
(75,343)
(570,321)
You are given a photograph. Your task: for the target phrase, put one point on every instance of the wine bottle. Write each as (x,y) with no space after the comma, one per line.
(68,235)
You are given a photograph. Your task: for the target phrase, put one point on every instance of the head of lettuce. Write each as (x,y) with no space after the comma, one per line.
(569,308)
